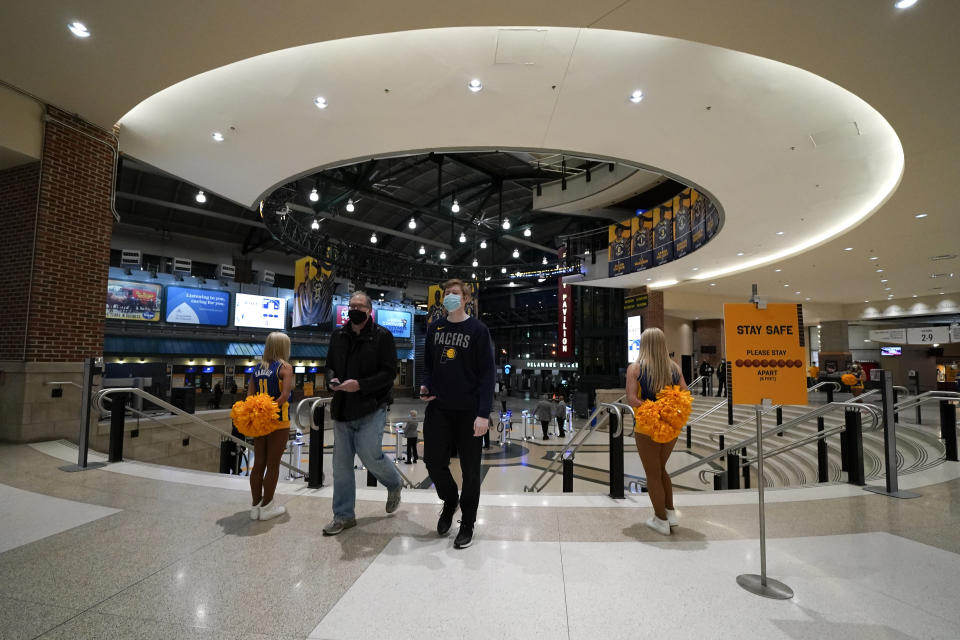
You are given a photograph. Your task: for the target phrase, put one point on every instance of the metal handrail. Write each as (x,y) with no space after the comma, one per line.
(141,414)
(902,389)
(694,381)
(620,407)
(716,407)
(875,415)
(63,383)
(100,395)
(559,459)
(715,434)
(813,437)
(864,396)
(836,386)
(927,396)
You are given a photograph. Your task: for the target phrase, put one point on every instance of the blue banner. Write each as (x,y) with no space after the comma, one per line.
(198,306)
(397,322)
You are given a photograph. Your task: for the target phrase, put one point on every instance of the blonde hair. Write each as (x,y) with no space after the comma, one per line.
(654,360)
(276,348)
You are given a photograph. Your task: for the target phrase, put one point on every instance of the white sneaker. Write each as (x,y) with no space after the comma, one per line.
(255,511)
(672,517)
(269,511)
(655,523)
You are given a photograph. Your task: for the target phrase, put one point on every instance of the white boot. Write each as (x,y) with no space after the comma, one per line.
(655,523)
(272,510)
(672,517)
(255,511)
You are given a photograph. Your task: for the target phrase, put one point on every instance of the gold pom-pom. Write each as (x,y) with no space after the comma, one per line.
(664,419)
(849,379)
(646,417)
(256,416)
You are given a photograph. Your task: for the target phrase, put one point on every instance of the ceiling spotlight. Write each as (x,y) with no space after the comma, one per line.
(463,237)
(483,244)
(316,225)
(516,253)
(506,223)
(314,196)
(882,280)
(503,269)
(779,233)
(412,224)
(475,263)
(636,96)
(875,258)
(541,279)
(739,253)
(321,102)
(487,278)
(350,207)
(475,85)
(373,237)
(920,215)
(423,250)
(848,249)
(444,269)
(527,232)
(544,259)
(904,4)
(777,270)
(473,276)
(79,29)
(713,284)
(443,255)
(201,198)
(455,207)
(879,270)
(217,136)
(586,252)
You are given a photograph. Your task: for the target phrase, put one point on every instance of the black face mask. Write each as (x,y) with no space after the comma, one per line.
(357,316)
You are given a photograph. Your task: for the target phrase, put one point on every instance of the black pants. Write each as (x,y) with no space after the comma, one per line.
(503,403)
(722,385)
(546,425)
(560,422)
(412,450)
(444,429)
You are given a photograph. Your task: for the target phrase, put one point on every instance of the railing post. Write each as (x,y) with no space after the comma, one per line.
(568,475)
(315,465)
(780,420)
(721,447)
(746,469)
(844,448)
(948,428)
(228,455)
(733,471)
(729,407)
(854,448)
(829,394)
(118,413)
(889,441)
(896,414)
(823,467)
(689,436)
(719,481)
(916,386)
(616,457)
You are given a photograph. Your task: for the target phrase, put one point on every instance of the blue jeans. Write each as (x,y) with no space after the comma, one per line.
(362,437)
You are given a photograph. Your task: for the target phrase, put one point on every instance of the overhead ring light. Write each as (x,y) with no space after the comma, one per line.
(475,85)
(516,253)
(350,207)
(636,96)
(320,102)
(463,237)
(413,223)
(423,250)
(373,238)
(201,197)
(527,232)
(314,196)
(455,207)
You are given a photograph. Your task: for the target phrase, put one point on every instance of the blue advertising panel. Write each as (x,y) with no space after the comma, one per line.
(397,322)
(198,306)
(259,311)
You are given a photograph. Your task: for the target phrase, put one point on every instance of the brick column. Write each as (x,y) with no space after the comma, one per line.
(59,223)
(652,314)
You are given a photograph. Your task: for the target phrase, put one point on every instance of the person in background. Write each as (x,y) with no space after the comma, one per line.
(814,372)
(503,395)
(361,363)
(458,385)
(722,378)
(652,371)
(706,372)
(857,371)
(560,413)
(544,413)
(217,395)
(410,432)
(273,376)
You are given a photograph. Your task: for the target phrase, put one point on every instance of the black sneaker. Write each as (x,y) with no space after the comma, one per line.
(465,538)
(446,518)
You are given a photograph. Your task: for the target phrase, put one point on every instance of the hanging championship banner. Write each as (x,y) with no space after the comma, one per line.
(713,221)
(436,310)
(313,292)
(564,317)
(764,350)
(642,249)
(618,251)
(698,219)
(663,234)
(681,224)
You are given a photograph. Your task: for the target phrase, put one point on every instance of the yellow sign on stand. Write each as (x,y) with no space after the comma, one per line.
(764,351)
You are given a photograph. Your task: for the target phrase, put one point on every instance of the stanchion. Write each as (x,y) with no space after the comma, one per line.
(761,585)
(892,488)
(829,394)
(315,468)
(854,438)
(733,471)
(616,457)
(90,369)
(948,428)
(568,475)
(720,447)
(689,436)
(896,399)
(916,389)
(746,469)
(823,468)
(118,413)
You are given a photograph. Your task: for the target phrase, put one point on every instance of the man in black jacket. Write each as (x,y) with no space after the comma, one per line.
(362,364)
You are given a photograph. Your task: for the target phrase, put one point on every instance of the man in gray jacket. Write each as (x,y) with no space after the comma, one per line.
(544,413)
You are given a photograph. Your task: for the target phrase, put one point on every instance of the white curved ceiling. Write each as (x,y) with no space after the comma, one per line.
(899,62)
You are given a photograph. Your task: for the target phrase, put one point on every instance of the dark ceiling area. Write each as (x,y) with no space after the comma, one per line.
(310,214)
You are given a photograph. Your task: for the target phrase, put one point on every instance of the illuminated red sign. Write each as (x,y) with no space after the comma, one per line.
(564,318)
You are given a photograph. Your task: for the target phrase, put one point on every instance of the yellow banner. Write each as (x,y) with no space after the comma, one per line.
(435,309)
(764,350)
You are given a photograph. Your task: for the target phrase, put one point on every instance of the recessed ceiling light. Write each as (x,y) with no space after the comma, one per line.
(503,269)
(455,207)
(739,253)
(506,224)
(201,197)
(443,255)
(904,4)
(217,136)
(883,280)
(423,250)
(527,232)
(636,96)
(942,293)
(796,293)
(914,295)
(779,233)
(875,258)
(475,263)
(516,253)
(886,288)
(786,285)
(373,237)
(314,196)
(713,284)
(866,301)
(920,215)
(879,270)
(320,102)
(79,29)
(350,206)
(483,244)
(778,270)
(808,299)
(463,237)
(848,249)
(315,225)
(695,269)
(412,224)
(475,85)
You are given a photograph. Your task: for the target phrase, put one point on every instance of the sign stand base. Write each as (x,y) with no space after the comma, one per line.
(768,588)
(77,467)
(904,495)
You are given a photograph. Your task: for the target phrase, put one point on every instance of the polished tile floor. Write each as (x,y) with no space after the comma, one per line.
(139,551)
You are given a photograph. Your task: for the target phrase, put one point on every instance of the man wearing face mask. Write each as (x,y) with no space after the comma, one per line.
(361,363)
(458,384)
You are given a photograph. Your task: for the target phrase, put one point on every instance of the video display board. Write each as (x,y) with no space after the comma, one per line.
(634,329)
(397,322)
(259,311)
(198,306)
(128,300)
(341,317)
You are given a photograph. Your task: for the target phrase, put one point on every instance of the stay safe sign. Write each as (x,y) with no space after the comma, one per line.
(764,349)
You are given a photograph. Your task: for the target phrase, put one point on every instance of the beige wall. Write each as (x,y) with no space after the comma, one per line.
(28,413)
(21,134)
(679,334)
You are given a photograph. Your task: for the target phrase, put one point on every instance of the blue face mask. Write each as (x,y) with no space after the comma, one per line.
(451,301)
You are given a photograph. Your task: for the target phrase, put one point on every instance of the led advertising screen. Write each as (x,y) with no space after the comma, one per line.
(891,351)
(634,329)
(259,311)
(198,306)
(127,300)
(341,318)
(397,322)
